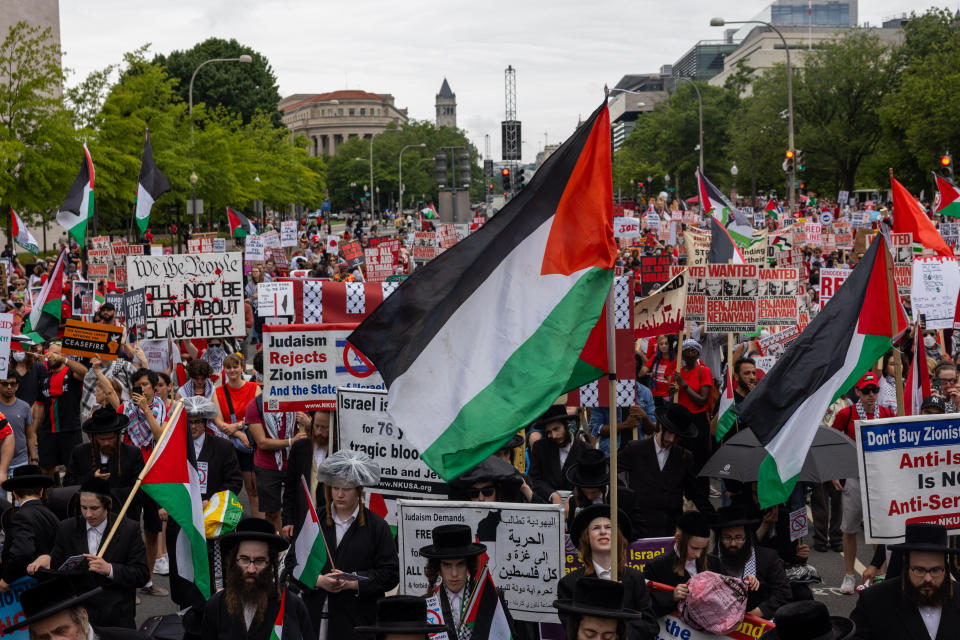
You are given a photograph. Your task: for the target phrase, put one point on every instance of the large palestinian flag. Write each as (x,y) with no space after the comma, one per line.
(151,185)
(240,226)
(44,320)
(484,338)
(77,208)
(845,339)
(22,235)
(948,200)
(723,247)
(716,205)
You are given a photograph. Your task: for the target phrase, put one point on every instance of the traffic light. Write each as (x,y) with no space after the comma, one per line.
(505,174)
(946,163)
(520,179)
(440,169)
(464,168)
(788,164)
(798,160)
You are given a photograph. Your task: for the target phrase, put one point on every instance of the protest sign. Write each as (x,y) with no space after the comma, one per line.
(842,196)
(288,233)
(446,236)
(652,221)
(829,244)
(830,282)
(279,258)
(333,245)
(639,553)
(696,300)
(950,232)
(377,268)
(698,246)
(799,525)
(88,339)
(352,252)
(200,244)
(363,424)
(859,219)
(219,245)
(424,246)
(11,611)
(116,299)
(663,311)
(812,232)
(6,330)
(776,343)
(99,257)
(304,364)
(691,218)
(525,546)
(758,219)
(756,253)
(196,296)
(271,240)
(81,294)
(908,473)
(901,245)
(777,305)
(254,249)
(751,628)
(275,299)
(764,363)
(135,313)
(934,290)
(731,303)
(624,227)
(843,234)
(791,258)
(654,272)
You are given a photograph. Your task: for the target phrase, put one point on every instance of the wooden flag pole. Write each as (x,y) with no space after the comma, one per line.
(892,298)
(174,416)
(614,434)
(313,508)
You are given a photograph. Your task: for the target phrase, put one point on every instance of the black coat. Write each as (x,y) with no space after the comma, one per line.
(659,494)
(367,550)
(635,597)
(116,605)
(123,468)
(453,620)
(223,469)
(545,470)
(660,569)
(774,591)
(218,624)
(882,612)
(30,533)
(299,463)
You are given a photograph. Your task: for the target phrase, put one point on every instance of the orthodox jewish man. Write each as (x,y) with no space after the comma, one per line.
(402,618)
(596,610)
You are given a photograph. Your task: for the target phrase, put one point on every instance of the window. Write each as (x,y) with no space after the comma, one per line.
(363,111)
(351,111)
(340,111)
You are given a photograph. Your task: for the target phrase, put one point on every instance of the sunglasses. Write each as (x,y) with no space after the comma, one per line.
(10,383)
(474,492)
(870,390)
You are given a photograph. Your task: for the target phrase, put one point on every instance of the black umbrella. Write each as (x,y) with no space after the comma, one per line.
(832,456)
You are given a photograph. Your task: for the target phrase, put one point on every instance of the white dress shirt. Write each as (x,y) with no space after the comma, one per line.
(564,452)
(662,454)
(94,538)
(198,444)
(931,619)
(603,574)
(456,601)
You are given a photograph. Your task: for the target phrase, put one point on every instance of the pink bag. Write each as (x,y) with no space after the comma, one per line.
(715,603)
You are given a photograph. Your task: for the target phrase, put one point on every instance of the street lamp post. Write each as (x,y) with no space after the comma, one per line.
(733,192)
(400,172)
(196,215)
(371,177)
(700,115)
(719,22)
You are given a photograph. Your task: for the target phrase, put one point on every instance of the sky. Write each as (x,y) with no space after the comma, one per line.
(564,51)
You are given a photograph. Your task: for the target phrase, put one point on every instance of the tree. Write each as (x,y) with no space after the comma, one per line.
(243,89)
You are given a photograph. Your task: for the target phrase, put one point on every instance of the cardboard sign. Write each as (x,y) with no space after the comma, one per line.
(271,240)
(525,546)
(776,343)
(116,299)
(352,252)
(812,232)
(652,221)
(756,253)
(654,273)
(379,267)
(333,245)
(778,304)
(196,296)
(254,248)
(201,244)
(696,292)
(219,245)
(305,364)
(87,340)
(288,233)
(99,257)
(135,313)
(901,244)
(624,227)
(830,282)
(731,303)
(698,246)
(934,290)
(6,331)
(950,232)
(81,298)
(424,246)
(662,312)
(799,525)
(446,236)
(275,299)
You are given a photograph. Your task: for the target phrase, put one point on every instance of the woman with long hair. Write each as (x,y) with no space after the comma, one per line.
(661,368)
(675,567)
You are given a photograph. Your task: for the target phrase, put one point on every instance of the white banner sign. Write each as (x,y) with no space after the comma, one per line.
(624,227)
(275,299)
(288,233)
(254,248)
(934,290)
(830,281)
(195,296)
(6,329)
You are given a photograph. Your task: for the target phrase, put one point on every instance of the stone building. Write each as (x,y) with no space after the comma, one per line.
(446,107)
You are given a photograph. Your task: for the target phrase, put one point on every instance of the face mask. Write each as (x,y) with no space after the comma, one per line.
(19,356)
(929,341)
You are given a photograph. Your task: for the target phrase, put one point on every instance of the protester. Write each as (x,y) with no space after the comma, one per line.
(29,530)
(692,383)
(403,618)
(231,399)
(687,558)
(809,620)
(662,367)
(552,455)
(306,456)
(593,611)
(19,417)
(60,392)
(106,458)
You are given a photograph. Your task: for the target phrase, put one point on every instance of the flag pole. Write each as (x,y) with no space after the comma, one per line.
(892,299)
(174,416)
(313,508)
(614,434)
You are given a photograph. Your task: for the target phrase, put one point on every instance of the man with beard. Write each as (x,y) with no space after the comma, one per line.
(106,457)
(759,567)
(922,602)
(248,605)
(552,455)
(305,457)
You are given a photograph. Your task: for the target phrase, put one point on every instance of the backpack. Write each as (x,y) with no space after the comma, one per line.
(716,603)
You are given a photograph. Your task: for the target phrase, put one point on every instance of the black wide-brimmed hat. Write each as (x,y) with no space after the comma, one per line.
(809,620)
(925,536)
(556,413)
(592,471)
(49,597)
(588,514)
(732,516)
(452,541)
(96,485)
(402,614)
(105,421)
(676,419)
(598,598)
(694,523)
(513,442)
(253,529)
(28,475)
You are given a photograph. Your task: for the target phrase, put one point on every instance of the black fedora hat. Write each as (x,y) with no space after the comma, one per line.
(676,419)
(732,516)
(402,614)
(694,523)
(591,471)
(809,620)
(96,485)
(105,421)
(28,475)
(588,514)
(513,442)
(598,598)
(452,541)
(49,597)
(925,536)
(556,413)
(253,529)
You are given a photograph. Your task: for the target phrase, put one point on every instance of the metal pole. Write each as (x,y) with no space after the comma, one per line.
(371,177)
(699,114)
(400,171)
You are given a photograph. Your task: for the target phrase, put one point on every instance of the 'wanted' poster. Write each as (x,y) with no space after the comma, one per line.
(778,303)
(731,298)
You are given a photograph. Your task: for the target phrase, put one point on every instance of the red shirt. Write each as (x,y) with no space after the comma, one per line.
(696,378)
(239,397)
(848,416)
(661,376)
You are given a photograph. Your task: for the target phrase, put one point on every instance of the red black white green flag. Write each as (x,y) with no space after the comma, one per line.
(44,320)
(77,208)
(240,226)
(948,197)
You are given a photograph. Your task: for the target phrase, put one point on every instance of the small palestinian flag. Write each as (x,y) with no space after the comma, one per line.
(240,227)
(845,339)
(152,185)
(310,548)
(726,417)
(772,208)
(723,248)
(485,615)
(716,205)
(430,213)
(948,197)
(22,235)
(277,632)
(44,320)
(78,207)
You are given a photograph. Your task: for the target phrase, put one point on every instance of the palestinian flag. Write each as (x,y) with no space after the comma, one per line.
(430,213)
(277,632)
(772,208)
(77,209)
(716,205)
(781,241)
(22,235)
(909,217)
(44,320)
(842,342)
(240,227)
(485,616)
(548,258)
(948,197)
(152,185)
(918,378)
(310,549)
(173,482)
(726,417)
(723,248)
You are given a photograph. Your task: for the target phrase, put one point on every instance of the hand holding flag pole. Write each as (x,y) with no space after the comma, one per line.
(172,420)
